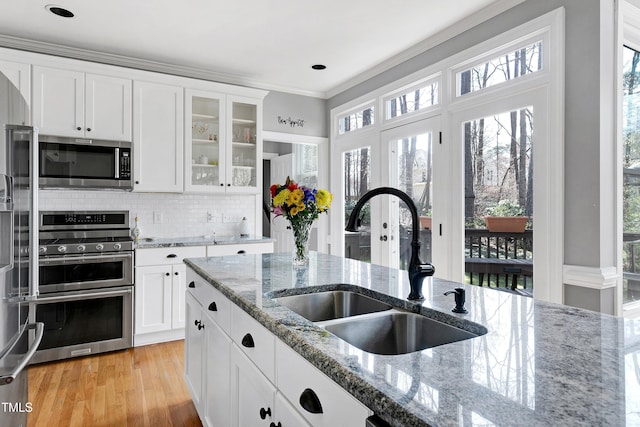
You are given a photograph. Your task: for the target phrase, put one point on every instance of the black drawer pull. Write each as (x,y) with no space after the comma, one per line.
(247,341)
(172,256)
(275,425)
(213,306)
(264,413)
(310,402)
(242,251)
(192,284)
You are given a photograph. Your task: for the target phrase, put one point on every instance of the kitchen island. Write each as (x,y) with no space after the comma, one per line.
(538,364)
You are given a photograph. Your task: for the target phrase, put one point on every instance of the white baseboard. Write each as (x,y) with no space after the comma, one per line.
(158,337)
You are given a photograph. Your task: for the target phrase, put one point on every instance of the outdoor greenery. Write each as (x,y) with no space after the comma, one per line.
(505,208)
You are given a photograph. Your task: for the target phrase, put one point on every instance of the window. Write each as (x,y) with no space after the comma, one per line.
(512,65)
(356,120)
(410,100)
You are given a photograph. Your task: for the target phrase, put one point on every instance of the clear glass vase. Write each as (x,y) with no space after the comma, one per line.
(301,232)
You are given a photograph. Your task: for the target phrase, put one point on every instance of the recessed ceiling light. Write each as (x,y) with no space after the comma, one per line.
(318,67)
(60,11)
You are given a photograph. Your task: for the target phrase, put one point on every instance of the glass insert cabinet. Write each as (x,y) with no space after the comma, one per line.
(223,142)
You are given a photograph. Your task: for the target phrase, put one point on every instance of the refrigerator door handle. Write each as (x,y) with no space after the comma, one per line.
(34,216)
(39,327)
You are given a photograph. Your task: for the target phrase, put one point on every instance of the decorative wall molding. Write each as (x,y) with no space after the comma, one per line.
(590,277)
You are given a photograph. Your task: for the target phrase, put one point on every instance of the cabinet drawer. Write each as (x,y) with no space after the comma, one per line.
(216,306)
(164,256)
(243,248)
(302,383)
(254,340)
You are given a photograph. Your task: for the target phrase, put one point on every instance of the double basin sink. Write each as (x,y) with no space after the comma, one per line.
(373,325)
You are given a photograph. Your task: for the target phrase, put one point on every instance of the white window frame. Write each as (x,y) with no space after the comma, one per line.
(411,87)
(549,28)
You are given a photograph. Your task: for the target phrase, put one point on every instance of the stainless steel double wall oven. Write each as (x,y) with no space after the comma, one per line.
(85,284)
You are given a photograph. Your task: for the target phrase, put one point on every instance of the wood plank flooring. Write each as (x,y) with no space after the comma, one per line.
(143,386)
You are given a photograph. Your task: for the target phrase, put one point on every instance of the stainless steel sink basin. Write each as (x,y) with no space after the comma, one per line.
(321,306)
(397,333)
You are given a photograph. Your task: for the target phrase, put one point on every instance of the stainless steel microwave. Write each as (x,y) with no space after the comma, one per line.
(84,163)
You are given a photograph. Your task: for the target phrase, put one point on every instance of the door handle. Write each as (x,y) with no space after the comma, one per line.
(39,327)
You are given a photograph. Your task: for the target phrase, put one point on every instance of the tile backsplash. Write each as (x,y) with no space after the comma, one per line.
(161,215)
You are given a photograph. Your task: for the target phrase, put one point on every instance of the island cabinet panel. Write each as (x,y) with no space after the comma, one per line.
(322,402)
(259,380)
(252,394)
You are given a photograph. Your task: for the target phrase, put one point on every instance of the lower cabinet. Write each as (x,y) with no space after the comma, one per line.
(240,374)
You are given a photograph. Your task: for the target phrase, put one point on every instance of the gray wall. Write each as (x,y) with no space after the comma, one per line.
(285,106)
(582,111)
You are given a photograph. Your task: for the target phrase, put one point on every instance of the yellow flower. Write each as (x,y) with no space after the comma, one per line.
(281,197)
(299,207)
(295,197)
(323,199)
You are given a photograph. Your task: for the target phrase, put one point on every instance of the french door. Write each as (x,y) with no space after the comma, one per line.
(402,158)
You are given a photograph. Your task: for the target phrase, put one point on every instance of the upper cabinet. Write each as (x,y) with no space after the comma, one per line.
(14,101)
(158,141)
(223,151)
(76,104)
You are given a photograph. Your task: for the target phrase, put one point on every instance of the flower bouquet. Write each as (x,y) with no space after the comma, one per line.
(301,206)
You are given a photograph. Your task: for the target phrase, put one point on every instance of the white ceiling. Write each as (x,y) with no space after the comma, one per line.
(264,43)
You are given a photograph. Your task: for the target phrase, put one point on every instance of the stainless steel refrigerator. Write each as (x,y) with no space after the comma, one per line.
(19,339)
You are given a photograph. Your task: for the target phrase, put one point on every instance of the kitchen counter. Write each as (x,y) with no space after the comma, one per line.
(539,364)
(173,242)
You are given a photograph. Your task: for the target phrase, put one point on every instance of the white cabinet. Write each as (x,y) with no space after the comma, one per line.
(252,395)
(269,384)
(14,104)
(246,248)
(160,288)
(72,103)
(223,147)
(158,138)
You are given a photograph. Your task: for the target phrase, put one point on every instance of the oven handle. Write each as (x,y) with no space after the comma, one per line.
(76,297)
(65,258)
(39,327)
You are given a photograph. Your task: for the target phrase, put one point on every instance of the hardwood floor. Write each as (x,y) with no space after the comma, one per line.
(143,386)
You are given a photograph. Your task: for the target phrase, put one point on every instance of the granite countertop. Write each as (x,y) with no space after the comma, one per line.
(539,364)
(173,242)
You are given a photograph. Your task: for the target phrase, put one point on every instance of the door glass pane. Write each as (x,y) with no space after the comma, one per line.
(631,174)
(205,141)
(498,187)
(243,146)
(357,181)
(414,177)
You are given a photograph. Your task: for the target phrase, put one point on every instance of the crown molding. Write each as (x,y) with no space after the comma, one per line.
(142,64)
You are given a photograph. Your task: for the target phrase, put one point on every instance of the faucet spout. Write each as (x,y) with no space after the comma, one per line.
(418,270)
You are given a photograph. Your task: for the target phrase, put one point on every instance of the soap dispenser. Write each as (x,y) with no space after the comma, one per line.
(245,227)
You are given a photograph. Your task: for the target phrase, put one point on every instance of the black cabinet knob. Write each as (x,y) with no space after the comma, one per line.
(275,425)
(88,129)
(197,322)
(176,273)
(192,284)
(78,128)
(167,274)
(310,402)
(213,306)
(137,182)
(201,326)
(264,413)
(247,341)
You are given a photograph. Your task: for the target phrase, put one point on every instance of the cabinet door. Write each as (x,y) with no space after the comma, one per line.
(58,101)
(153,299)
(252,395)
(108,107)
(158,138)
(216,369)
(286,414)
(244,152)
(204,141)
(179,289)
(193,351)
(15,100)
